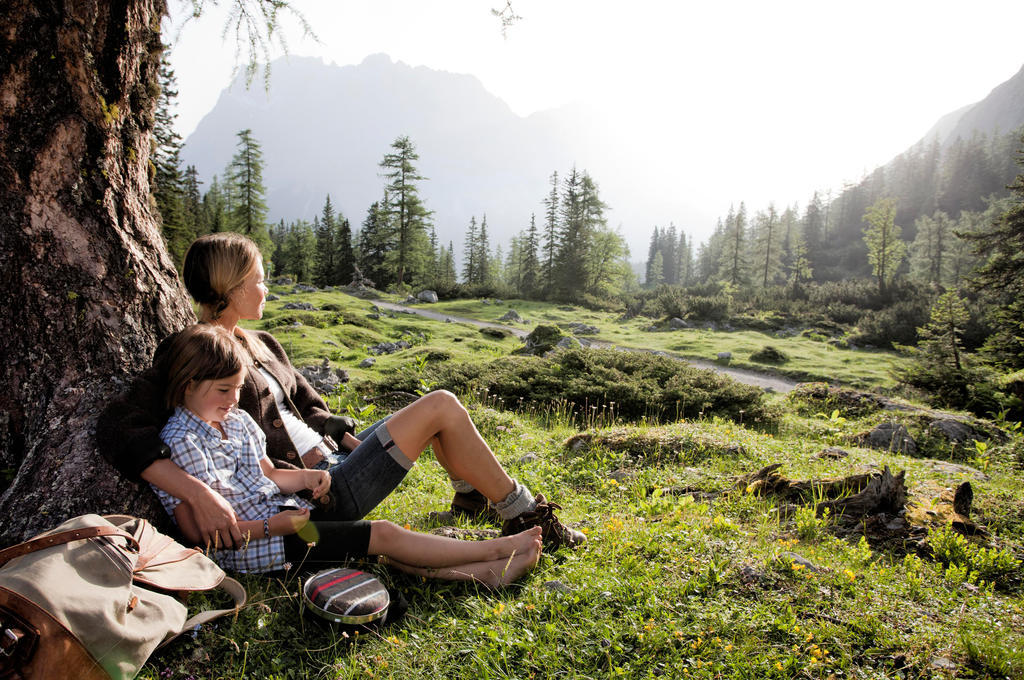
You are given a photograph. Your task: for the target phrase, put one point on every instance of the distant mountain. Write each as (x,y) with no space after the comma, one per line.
(1001,111)
(973,161)
(325,128)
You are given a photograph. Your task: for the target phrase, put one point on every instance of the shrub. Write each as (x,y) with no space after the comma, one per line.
(708,308)
(633,385)
(896,324)
(972,388)
(769,355)
(973,561)
(817,397)
(841,312)
(602,304)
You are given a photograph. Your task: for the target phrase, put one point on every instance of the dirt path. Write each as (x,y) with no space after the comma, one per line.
(747,377)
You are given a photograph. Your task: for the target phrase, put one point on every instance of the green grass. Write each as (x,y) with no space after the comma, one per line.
(809,359)
(666,586)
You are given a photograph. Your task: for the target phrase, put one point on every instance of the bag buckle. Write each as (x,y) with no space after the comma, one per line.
(9,639)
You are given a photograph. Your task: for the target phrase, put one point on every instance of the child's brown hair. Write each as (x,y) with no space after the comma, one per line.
(201,352)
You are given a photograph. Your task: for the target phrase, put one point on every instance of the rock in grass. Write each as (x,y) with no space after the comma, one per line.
(796,558)
(542,339)
(724,357)
(557,587)
(303,306)
(323,378)
(889,436)
(512,316)
(833,453)
(367,362)
(496,333)
(427,296)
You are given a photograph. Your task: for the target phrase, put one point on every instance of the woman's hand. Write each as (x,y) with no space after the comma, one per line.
(214,518)
(288,522)
(337,427)
(317,481)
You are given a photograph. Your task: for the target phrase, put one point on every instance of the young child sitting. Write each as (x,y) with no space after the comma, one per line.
(223,447)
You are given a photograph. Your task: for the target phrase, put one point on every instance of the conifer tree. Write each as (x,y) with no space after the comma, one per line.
(734,248)
(670,257)
(684,260)
(278,257)
(655,272)
(552,206)
(376,240)
(813,229)
(300,251)
(767,246)
(325,259)
(167,187)
(485,270)
(448,276)
(652,251)
(1002,278)
(215,214)
(530,262)
(470,265)
(193,202)
(405,210)
(247,213)
(344,258)
(435,256)
(929,253)
(882,237)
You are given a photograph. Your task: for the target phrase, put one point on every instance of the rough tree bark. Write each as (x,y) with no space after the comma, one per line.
(88,287)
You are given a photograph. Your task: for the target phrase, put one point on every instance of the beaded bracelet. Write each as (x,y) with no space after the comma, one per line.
(266,528)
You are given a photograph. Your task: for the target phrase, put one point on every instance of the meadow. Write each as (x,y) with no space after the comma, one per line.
(691,569)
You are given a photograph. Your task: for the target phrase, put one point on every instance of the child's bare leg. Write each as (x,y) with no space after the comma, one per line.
(494,574)
(429,550)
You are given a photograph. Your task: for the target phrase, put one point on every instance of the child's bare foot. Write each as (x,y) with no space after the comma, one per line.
(523,542)
(512,569)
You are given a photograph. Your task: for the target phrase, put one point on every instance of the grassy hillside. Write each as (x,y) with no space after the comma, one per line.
(691,569)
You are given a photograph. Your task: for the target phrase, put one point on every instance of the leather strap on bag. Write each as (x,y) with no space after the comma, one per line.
(233,588)
(62,537)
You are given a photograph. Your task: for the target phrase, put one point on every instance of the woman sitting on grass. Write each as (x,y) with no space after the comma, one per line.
(222,446)
(223,272)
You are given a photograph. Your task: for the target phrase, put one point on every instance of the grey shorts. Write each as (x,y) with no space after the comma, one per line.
(366,476)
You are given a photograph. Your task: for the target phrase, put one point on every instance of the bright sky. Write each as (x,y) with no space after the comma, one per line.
(728,101)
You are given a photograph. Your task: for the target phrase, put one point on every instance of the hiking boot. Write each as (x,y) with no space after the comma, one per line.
(554,533)
(473,505)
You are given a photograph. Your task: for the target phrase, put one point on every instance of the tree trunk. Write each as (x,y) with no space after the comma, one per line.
(89,288)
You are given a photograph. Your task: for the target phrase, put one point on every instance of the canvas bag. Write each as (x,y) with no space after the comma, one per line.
(94,597)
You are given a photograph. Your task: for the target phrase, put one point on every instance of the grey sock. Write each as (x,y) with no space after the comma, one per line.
(461,485)
(516,503)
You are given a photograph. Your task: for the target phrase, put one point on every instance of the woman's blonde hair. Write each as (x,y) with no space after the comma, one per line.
(215,266)
(201,352)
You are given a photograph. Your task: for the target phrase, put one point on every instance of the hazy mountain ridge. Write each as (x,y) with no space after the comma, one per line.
(1002,110)
(325,128)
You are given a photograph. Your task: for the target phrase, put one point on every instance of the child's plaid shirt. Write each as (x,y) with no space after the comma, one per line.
(231,467)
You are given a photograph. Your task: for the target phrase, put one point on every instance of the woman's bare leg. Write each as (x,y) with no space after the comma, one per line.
(493,574)
(440,418)
(428,550)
